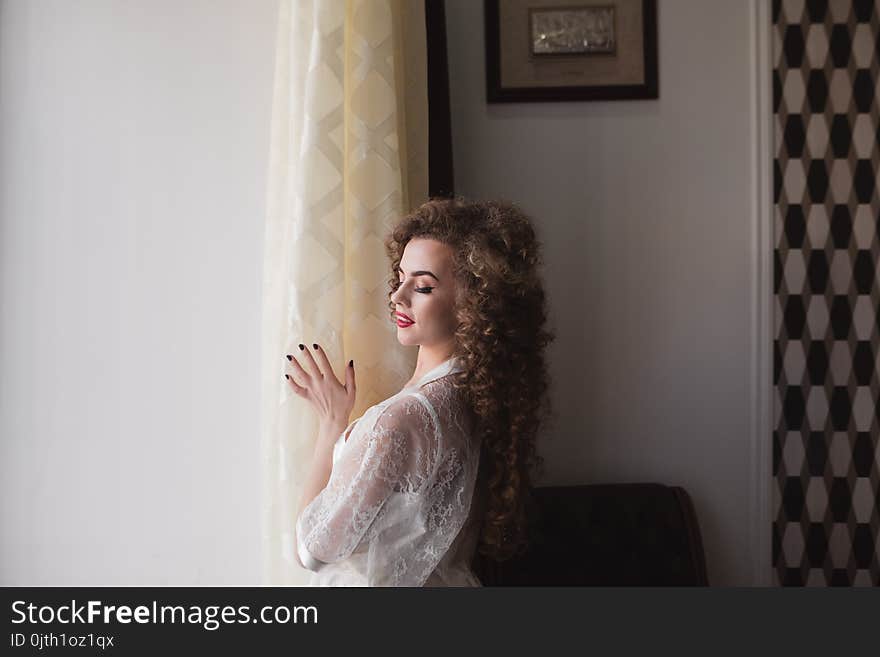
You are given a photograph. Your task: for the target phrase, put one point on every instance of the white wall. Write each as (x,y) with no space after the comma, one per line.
(644,207)
(133,144)
(133,141)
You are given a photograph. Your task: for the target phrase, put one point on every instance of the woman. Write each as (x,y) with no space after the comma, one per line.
(405,495)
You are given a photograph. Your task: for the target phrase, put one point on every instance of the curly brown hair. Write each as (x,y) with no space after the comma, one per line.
(500,339)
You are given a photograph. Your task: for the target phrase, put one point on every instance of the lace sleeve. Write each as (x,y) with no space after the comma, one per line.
(370,466)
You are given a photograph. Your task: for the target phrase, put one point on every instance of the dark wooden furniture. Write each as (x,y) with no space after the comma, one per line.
(606,535)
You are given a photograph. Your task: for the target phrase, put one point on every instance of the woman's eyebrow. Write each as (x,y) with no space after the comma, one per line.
(420,272)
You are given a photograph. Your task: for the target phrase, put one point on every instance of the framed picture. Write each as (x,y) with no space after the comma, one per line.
(550,50)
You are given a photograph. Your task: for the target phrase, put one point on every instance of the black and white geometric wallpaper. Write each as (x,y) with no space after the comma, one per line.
(826,461)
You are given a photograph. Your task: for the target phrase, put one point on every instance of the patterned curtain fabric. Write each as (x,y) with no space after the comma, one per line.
(348,156)
(826,454)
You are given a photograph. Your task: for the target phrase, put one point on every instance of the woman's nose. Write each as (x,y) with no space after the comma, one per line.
(399,296)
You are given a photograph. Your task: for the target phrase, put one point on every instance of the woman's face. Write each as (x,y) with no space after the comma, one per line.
(426,294)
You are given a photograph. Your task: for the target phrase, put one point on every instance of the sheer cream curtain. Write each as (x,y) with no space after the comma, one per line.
(348,155)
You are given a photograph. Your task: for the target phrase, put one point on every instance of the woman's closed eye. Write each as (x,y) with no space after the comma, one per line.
(422,290)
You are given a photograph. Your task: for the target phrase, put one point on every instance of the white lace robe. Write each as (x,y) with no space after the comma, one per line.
(403,503)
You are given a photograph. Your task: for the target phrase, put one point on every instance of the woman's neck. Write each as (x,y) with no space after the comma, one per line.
(428,359)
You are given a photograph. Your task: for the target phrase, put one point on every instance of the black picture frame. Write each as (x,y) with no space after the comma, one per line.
(495,93)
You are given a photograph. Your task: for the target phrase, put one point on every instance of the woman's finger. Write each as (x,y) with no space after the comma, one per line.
(299,368)
(350,383)
(324,362)
(298,389)
(313,366)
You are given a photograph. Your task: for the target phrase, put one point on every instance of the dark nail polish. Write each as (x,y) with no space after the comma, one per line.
(315,347)
(301,347)
(351,363)
(289,357)
(287,377)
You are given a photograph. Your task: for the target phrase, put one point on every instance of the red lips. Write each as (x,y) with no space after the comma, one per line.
(403,320)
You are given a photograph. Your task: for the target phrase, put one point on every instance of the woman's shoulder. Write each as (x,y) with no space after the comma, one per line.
(403,410)
(450,403)
(412,399)
(437,405)
(444,387)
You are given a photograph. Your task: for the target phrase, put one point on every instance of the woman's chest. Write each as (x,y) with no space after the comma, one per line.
(364,424)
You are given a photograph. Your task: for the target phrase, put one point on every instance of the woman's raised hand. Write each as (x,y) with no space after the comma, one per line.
(316,382)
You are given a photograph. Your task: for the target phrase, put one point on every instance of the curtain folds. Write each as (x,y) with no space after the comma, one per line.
(348,156)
